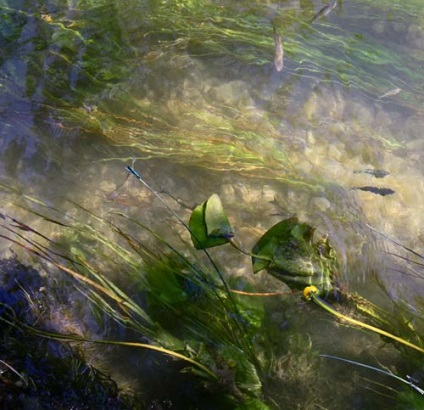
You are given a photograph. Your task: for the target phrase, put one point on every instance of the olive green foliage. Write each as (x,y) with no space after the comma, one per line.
(126,73)
(183,308)
(209,225)
(178,305)
(288,252)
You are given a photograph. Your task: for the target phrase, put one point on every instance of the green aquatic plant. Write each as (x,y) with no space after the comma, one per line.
(311,293)
(209,225)
(183,307)
(288,252)
(101,78)
(188,312)
(220,134)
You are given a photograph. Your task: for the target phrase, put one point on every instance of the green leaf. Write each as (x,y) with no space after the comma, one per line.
(303,232)
(268,245)
(209,225)
(246,375)
(253,404)
(216,220)
(294,258)
(247,378)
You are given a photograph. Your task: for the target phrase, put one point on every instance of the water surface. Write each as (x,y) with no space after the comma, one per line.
(189,94)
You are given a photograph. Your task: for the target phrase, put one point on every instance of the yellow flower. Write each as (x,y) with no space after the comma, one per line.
(307,292)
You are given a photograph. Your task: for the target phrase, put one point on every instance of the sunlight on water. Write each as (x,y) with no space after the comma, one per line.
(191,96)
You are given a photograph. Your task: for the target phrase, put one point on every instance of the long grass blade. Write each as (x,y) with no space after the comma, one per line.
(72,338)
(395,242)
(374,329)
(377,369)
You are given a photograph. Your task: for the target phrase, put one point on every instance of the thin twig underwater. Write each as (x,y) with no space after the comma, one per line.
(395,91)
(325,11)
(395,241)
(72,338)
(279,52)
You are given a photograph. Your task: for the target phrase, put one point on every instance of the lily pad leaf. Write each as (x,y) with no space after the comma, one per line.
(209,225)
(216,220)
(303,232)
(268,245)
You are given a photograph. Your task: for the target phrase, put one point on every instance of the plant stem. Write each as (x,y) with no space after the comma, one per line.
(247,253)
(237,320)
(311,293)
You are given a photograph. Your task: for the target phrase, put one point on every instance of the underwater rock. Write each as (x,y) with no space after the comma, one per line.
(379,27)
(233,93)
(268,193)
(415,36)
(413,128)
(321,203)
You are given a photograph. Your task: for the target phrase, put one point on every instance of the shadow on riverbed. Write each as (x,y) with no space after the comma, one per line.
(38,373)
(42,373)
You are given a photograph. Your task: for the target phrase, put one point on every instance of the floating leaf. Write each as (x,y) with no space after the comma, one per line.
(294,258)
(267,247)
(216,220)
(209,225)
(303,232)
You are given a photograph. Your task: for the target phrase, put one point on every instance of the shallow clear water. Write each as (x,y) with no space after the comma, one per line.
(190,92)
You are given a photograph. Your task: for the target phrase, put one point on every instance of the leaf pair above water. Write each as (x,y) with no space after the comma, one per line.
(287,250)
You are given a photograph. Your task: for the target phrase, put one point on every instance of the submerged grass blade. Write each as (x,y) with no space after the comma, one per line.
(72,338)
(214,326)
(124,303)
(396,242)
(377,369)
(24,380)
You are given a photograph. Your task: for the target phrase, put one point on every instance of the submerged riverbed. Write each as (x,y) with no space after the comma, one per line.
(188,93)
